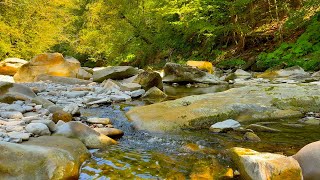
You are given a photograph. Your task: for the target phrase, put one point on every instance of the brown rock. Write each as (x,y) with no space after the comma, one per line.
(11,65)
(111,132)
(48,63)
(148,80)
(61,115)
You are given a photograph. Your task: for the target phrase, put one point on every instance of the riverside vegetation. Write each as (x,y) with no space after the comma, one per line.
(159,89)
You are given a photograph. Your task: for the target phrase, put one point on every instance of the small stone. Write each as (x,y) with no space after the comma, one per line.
(225,125)
(111,132)
(38,129)
(11,115)
(30,114)
(72,109)
(136,93)
(98,120)
(15,140)
(61,115)
(15,107)
(250,136)
(118,98)
(28,119)
(38,107)
(14,128)
(228,174)
(19,135)
(101,101)
(75,94)
(50,124)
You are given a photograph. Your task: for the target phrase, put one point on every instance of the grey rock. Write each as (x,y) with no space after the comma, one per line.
(50,124)
(227,124)
(19,135)
(38,129)
(11,115)
(115,72)
(136,93)
(75,94)
(85,134)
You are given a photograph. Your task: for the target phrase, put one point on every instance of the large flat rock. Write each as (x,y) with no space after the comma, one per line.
(114,72)
(265,102)
(42,158)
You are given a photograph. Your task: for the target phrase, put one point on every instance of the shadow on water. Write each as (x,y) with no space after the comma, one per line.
(184,155)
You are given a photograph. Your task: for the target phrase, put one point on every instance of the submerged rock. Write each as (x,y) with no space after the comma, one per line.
(264,166)
(250,136)
(262,102)
(309,160)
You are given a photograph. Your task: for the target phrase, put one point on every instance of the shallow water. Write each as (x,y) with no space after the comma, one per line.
(184,155)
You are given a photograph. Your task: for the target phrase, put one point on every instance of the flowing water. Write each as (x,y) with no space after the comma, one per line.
(184,155)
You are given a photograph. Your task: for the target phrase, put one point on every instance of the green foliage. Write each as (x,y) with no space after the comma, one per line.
(304,52)
(231,63)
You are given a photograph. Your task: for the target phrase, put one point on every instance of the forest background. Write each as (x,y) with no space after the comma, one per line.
(249,34)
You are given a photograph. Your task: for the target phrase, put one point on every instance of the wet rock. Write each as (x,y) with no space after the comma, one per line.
(11,115)
(11,65)
(250,103)
(61,115)
(154,93)
(225,125)
(99,120)
(43,158)
(262,166)
(250,136)
(38,129)
(115,72)
(62,80)
(111,132)
(10,92)
(179,73)
(148,80)
(48,64)
(90,137)
(309,160)
(260,128)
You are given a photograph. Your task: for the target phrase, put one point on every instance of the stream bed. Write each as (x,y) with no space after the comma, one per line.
(187,154)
